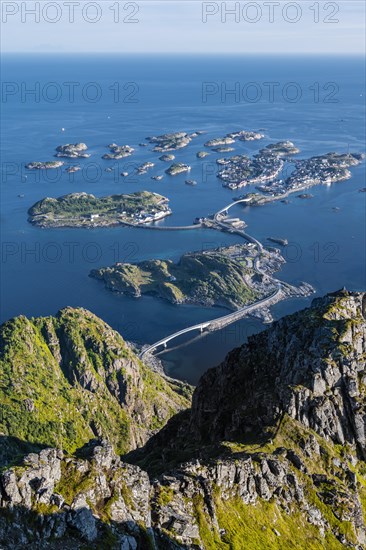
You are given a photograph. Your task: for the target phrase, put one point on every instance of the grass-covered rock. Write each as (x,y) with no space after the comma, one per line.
(211,278)
(270,456)
(67,379)
(87,210)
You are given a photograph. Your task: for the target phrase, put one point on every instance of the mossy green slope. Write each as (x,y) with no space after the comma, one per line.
(67,379)
(78,204)
(209,278)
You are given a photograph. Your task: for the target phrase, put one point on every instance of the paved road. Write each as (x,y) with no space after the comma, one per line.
(163,227)
(224,320)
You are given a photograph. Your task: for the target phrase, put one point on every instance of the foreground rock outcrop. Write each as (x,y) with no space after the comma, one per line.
(310,366)
(70,378)
(271,455)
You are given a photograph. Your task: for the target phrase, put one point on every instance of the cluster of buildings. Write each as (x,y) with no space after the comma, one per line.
(236,223)
(325,169)
(317,170)
(241,170)
(148,217)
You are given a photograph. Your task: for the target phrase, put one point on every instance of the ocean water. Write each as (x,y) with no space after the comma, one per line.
(317,102)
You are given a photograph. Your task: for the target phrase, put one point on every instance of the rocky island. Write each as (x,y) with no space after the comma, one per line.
(86,210)
(241,170)
(265,166)
(72,169)
(269,453)
(324,169)
(241,135)
(217,142)
(278,240)
(167,158)
(72,151)
(223,149)
(49,165)
(244,135)
(145,167)
(177,168)
(221,277)
(118,152)
(281,148)
(170,142)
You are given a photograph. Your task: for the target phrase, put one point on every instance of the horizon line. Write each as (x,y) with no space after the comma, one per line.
(171,54)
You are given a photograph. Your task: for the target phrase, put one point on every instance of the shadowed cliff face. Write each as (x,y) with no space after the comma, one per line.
(310,366)
(271,455)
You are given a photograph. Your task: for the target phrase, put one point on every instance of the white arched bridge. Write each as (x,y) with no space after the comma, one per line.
(215,324)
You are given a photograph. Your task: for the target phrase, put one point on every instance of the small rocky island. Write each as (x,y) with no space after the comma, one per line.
(244,135)
(202,154)
(48,165)
(171,142)
(220,277)
(72,151)
(118,152)
(241,135)
(86,210)
(167,158)
(281,148)
(216,142)
(177,168)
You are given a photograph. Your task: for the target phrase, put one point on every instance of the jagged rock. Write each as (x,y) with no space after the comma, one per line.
(9,489)
(128,543)
(104,455)
(57,500)
(263,432)
(314,377)
(83,521)
(79,380)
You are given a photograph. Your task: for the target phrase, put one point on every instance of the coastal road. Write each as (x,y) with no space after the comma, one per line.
(225,320)
(163,227)
(220,322)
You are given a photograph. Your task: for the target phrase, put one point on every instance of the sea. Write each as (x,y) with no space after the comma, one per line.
(48,100)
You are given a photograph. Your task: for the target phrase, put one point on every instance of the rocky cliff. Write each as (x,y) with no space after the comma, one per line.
(270,456)
(67,379)
(309,366)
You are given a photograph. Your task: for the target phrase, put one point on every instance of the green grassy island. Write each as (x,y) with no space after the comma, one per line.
(213,278)
(85,210)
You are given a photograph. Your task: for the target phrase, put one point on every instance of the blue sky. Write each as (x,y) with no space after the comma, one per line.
(178,26)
